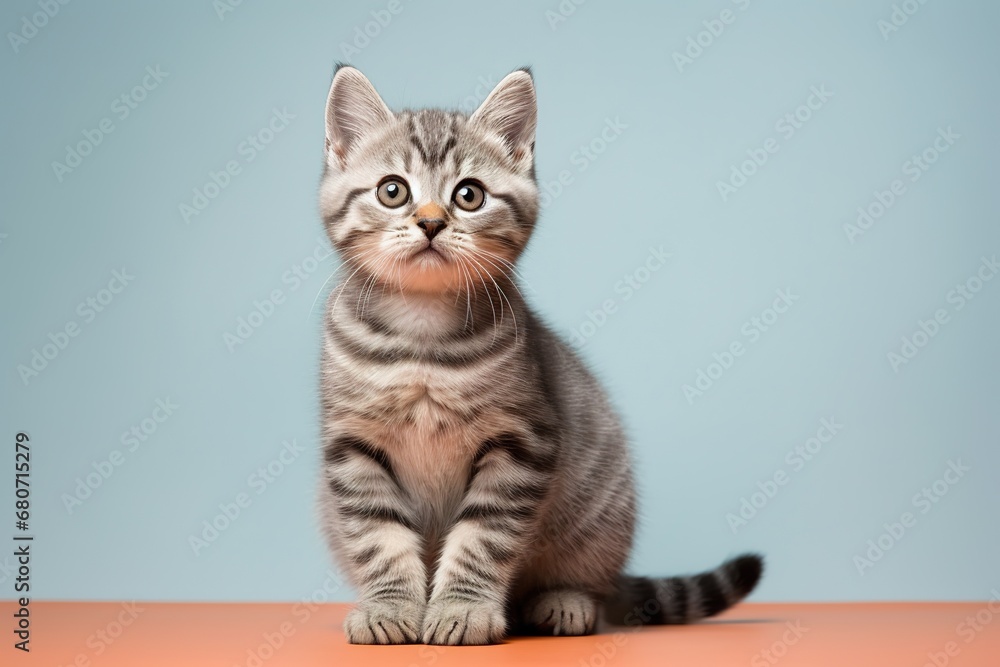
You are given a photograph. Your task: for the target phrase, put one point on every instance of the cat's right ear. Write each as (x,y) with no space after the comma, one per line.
(352,109)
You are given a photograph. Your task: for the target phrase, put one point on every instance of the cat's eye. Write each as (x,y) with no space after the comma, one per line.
(393,192)
(469,196)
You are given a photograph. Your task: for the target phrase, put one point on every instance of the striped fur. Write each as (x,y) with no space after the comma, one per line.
(476,478)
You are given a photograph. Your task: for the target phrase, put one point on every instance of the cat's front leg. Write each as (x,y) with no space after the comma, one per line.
(379,542)
(494,527)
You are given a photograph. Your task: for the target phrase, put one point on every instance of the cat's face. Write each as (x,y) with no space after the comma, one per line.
(429,201)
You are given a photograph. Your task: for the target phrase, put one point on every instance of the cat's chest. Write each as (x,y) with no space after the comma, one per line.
(419,415)
(425,397)
(432,465)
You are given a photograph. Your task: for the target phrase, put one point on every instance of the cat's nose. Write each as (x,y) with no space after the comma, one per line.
(431,226)
(430,218)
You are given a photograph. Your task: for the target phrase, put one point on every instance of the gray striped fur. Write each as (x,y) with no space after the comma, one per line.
(476,479)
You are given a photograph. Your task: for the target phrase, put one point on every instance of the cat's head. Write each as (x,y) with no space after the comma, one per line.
(429,200)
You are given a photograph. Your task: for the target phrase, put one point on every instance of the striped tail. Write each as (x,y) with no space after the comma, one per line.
(676,600)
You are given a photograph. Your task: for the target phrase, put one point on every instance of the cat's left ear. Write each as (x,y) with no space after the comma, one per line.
(511,111)
(352,109)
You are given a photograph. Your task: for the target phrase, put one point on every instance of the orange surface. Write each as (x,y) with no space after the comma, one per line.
(225,635)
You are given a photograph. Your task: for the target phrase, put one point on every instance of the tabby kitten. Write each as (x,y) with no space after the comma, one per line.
(475,477)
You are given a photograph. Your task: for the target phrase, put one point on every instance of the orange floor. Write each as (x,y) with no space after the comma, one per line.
(254,635)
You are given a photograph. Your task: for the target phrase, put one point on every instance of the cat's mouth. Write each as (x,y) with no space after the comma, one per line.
(430,252)
(428,269)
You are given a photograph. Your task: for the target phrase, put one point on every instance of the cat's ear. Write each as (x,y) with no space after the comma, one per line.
(511,112)
(352,109)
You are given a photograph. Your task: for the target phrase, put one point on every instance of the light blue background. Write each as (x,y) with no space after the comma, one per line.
(162,337)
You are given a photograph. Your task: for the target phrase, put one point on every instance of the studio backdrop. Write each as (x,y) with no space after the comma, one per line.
(771,228)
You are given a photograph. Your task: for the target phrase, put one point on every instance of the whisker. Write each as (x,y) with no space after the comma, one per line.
(383,260)
(343,286)
(467,283)
(510,266)
(488,296)
(500,269)
(313,306)
(502,295)
(332,275)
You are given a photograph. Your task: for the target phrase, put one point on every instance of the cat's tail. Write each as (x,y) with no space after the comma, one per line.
(676,600)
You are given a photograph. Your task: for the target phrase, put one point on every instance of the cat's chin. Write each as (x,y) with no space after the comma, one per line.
(428,275)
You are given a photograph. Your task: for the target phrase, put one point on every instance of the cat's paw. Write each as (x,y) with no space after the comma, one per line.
(463,623)
(562,612)
(384,623)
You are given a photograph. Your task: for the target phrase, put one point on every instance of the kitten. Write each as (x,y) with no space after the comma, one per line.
(475,477)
